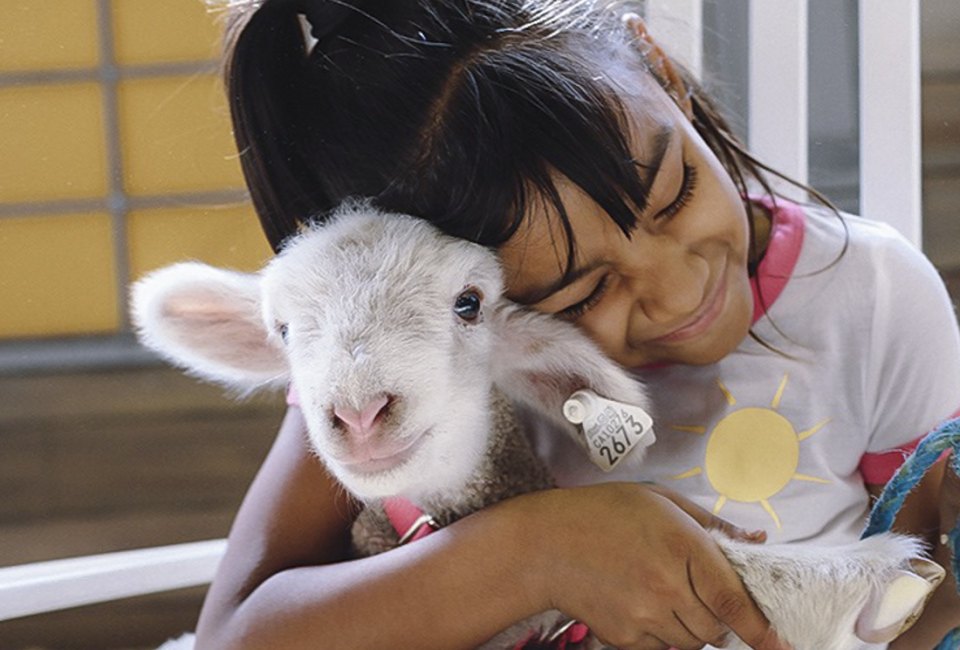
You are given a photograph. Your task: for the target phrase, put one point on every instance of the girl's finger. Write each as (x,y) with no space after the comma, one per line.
(679,637)
(709,520)
(720,589)
(649,642)
(703,625)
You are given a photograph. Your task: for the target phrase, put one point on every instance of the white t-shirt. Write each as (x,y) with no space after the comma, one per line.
(869,362)
(786,442)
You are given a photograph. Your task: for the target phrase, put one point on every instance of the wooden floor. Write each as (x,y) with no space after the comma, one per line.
(98,462)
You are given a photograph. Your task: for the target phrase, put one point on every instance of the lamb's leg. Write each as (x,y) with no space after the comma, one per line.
(821,597)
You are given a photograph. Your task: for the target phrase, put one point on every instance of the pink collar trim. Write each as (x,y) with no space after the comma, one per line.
(780,259)
(410,522)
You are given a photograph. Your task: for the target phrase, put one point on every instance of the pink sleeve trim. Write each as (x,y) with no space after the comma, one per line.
(293,399)
(879,467)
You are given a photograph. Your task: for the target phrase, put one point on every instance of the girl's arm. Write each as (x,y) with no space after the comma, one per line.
(622,557)
(932,505)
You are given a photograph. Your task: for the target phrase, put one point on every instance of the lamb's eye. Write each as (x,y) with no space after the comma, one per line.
(467,306)
(282,329)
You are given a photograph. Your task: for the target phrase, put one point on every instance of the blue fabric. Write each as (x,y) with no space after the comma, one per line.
(946,436)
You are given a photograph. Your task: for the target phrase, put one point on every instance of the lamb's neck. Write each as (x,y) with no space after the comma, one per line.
(509,467)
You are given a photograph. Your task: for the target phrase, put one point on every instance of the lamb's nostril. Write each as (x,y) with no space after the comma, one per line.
(346,415)
(373,410)
(364,420)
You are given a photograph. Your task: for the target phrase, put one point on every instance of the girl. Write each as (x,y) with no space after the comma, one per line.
(790,351)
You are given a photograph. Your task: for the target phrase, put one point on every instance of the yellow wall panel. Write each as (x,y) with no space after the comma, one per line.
(176,136)
(57,276)
(164,31)
(48,34)
(53,142)
(224,236)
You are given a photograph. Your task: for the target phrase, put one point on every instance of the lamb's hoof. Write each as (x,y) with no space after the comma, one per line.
(892,612)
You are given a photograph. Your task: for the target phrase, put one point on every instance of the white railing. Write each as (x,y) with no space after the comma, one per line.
(778,133)
(60,584)
(890,114)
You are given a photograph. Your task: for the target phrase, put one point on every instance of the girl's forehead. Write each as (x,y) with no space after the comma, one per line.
(536,255)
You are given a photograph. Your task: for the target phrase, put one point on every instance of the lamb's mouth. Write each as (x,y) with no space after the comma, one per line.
(379,464)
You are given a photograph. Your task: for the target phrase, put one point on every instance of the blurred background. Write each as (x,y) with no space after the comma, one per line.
(118,159)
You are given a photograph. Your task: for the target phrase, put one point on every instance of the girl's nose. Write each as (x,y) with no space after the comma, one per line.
(671,289)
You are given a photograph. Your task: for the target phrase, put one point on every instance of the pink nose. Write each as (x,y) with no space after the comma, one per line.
(361,422)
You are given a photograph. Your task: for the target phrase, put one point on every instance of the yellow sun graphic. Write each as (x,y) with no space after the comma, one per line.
(752,454)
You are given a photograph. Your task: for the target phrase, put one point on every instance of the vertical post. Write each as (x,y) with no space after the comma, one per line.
(117,202)
(778,128)
(677,25)
(890,156)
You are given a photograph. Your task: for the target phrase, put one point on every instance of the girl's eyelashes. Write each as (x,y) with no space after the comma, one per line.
(573,312)
(687,186)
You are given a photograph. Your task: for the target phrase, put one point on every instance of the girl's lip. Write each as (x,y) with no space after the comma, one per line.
(708,313)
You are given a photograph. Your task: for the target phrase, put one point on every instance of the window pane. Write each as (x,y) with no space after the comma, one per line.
(223,236)
(176,136)
(45,35)
(53,142)
(167,31)
(57,276)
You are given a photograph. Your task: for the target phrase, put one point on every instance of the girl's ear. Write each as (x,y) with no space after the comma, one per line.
(208,321)
(540,361)
(661,65)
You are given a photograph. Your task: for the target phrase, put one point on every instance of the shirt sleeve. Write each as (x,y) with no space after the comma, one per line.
(878,468)
(913,371)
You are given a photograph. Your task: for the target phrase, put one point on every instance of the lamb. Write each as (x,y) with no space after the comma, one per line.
(403,349)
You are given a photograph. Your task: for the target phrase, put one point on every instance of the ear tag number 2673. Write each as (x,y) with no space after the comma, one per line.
(611,429)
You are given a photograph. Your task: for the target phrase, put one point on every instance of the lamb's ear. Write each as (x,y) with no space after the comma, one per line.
(539,360)
(208,321)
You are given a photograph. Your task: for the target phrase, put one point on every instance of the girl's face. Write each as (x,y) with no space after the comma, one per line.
(677,290)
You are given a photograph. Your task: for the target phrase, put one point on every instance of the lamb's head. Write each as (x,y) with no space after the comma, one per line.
(388,341)
(393,336)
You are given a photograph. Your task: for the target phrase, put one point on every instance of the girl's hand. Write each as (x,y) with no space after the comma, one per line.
(635,563)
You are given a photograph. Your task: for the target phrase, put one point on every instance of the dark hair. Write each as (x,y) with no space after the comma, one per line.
(459,111)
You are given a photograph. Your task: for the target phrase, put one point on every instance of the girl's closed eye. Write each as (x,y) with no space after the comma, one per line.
(575,311)
(687,185)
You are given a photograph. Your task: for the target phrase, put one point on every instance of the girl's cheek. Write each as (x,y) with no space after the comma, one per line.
(607,324)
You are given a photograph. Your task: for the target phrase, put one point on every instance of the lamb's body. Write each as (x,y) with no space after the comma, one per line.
(399,343)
